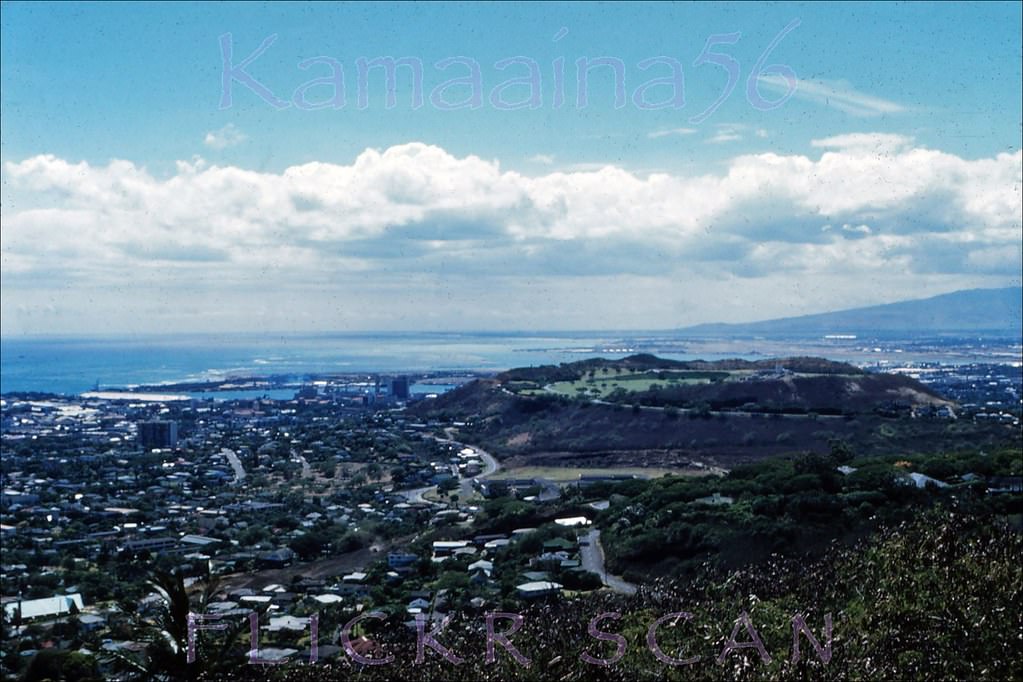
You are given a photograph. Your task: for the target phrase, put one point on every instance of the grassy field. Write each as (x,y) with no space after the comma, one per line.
(601,384)
(567,474)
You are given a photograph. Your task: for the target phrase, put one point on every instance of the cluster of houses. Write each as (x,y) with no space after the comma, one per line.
(204,486)
(983,392)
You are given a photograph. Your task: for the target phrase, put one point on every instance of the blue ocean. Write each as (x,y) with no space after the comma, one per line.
(73,365)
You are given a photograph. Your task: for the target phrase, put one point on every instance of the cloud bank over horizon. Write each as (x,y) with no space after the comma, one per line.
(414,237)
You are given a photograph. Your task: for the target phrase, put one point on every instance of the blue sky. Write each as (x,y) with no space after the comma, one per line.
(131,195)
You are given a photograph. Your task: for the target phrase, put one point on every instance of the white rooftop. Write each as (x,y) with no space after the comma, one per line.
(573,521)
(257,598)
(538,586)
(328,598)
(287,623)
(50,606)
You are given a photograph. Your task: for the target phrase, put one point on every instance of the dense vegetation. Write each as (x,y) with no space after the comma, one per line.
(673,525)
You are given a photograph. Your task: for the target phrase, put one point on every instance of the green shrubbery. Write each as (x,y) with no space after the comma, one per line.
(792,506)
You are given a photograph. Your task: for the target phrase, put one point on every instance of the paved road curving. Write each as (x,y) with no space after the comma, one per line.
(490,467)
(592,557)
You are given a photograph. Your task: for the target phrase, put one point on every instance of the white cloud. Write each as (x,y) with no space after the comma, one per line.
(228,136)
(880,143)
(671,131)
(835,94)
(466,228)
(542,159)
(724,136)
(728,132)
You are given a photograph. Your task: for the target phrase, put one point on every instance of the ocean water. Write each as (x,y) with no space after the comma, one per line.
(73,365)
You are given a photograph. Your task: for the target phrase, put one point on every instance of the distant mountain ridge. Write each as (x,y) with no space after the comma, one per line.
(972,310)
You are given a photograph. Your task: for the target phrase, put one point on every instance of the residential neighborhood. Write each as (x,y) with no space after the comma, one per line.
(294,509)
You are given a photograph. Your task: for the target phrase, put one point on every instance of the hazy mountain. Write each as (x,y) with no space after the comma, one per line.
(992,310)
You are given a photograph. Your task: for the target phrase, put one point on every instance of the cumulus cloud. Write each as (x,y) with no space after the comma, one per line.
(867,206)
(228,136)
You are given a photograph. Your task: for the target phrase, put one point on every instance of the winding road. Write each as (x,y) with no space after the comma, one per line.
(591,553)
(490,467)
(592,556)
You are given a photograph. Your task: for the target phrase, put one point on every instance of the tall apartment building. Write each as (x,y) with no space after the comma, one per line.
(158,434)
